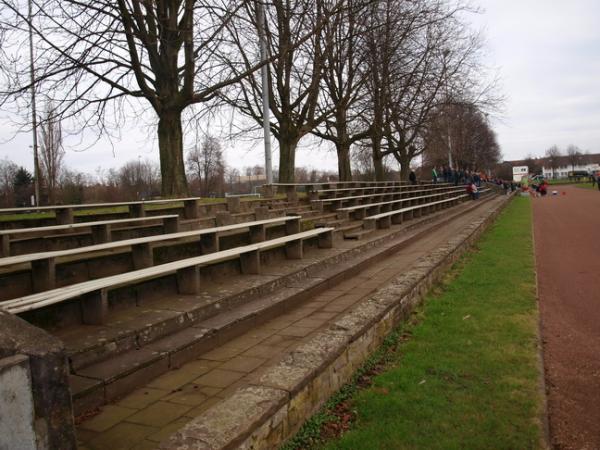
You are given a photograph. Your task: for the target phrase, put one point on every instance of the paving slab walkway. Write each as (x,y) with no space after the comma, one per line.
(567,247)
(153,412)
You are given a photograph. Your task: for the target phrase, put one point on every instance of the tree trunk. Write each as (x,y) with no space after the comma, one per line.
(170,144)
(287,159)
(404,166)
(378,159)
(344,167)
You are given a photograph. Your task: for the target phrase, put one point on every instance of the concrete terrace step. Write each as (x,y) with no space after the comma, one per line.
(336,223)
(104,381)
(357,234)
(320,217)
(107,366)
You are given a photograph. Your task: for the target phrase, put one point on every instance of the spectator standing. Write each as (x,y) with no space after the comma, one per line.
(434,175)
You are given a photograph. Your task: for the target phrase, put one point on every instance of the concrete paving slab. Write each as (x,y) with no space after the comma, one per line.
(159,414)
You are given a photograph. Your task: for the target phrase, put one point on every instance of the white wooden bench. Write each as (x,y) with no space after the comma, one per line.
(64,213)
(95,292)
(43,264)
(337,203)
(396,216)
(361,211)
(291,188)
(326,194)
(101,230)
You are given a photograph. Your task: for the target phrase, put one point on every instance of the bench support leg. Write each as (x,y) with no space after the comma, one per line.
(326,239)
(5,245)
(397,219)
(64,216)
(343,215)
(209,243)
(369,224)
(43,274)
(171,224)
(94,307)
(101,234)
(142,256)
(291,194)
(137,210)
(257,234)
(261,213)
(190,209)
(385,222)
(188,280)
(223,218)
(250,263)
(292,226)
(293,250)
(233,205)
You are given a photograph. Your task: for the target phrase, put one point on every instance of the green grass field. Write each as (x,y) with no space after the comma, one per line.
(587,186)
(464,374)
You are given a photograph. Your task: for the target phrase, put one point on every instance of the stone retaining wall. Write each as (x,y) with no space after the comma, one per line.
(43,357)
(271,409)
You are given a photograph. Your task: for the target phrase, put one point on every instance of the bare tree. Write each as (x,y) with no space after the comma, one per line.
(343,81)
(574,156)
(52,152)
(552,155)
(139,179)
(8,170)
(419,51)
(205,161)
(293,30)
(474,142)
(532,164)
(101,59)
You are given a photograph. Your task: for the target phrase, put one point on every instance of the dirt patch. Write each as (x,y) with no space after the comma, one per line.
(567,248)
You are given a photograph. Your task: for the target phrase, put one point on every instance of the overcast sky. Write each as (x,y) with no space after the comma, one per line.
(548,56)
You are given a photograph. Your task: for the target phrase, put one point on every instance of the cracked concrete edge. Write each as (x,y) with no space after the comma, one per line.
(281,397)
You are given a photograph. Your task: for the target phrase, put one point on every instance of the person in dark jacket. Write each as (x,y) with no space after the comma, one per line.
(412,177)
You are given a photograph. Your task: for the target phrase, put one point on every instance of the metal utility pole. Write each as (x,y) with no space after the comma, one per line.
(449,144)
(265,90)
(36,164)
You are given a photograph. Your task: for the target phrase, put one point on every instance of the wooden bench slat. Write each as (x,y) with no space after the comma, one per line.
(84,224)
(380,187)
(21,259)
(371,205)
(354,197)
(25,209)
(42,299)
(415,207)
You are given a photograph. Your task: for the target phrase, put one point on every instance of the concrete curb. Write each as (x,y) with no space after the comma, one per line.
(266,413)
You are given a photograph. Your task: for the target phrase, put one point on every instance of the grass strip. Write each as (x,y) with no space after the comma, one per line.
(464,373)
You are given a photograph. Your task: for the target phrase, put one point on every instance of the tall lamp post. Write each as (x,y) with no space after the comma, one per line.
(265,90)
(36,164)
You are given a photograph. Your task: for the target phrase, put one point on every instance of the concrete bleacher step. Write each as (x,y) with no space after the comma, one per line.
(353,230)
(107,380)
(117,373)
(106,366)
(357,234)
(114,375)
(320,217)
(334,222)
